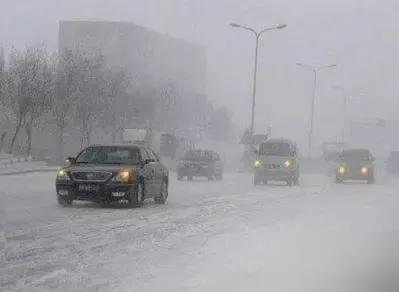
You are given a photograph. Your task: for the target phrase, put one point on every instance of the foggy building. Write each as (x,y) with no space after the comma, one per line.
(150,57)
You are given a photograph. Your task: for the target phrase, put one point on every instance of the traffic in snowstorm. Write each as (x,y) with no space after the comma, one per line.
(199,146)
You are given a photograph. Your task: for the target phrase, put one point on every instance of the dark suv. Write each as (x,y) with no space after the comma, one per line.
(200,163)
(115,173)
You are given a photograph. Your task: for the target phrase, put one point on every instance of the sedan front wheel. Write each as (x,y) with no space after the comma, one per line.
(163,196)
(136,198)
(64,201)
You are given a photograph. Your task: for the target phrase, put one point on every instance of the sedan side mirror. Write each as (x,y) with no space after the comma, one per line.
(70,161)
(148,161)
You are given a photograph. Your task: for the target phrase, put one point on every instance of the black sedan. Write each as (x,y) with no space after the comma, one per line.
(115,173)
(200,163)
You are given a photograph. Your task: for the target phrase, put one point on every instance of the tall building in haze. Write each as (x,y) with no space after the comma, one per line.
(149,56)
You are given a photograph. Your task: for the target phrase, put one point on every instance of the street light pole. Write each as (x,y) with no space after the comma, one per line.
(255,73)
(312,113)
(315,72)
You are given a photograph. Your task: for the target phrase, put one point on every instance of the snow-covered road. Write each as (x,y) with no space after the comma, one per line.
(210,236)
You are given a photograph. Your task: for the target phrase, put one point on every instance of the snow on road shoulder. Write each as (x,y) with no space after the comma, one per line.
(10,165)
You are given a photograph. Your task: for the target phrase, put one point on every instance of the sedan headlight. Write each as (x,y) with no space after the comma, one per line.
(341,170)
(257,163)
(124,176)
(62,175)
(287,164)
(364,170)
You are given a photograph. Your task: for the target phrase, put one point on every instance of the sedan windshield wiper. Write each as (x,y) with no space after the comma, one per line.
(81,162)
(111,162)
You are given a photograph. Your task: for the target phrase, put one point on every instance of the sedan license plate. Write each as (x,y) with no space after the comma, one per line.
(88,188)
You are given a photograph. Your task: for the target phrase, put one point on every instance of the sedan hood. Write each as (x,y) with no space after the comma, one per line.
(195,162)
(356,163)
(100,167)
(274,159)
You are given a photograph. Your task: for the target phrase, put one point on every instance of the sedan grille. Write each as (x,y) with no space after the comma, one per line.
(97,176)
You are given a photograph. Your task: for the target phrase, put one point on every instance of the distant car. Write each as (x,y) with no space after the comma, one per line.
(277,159)
(393,163)
(115,173)
(355,164)
(200,163)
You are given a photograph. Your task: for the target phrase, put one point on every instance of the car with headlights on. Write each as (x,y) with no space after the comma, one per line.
(355,164)
(200,163)
(276,160)
(113,173)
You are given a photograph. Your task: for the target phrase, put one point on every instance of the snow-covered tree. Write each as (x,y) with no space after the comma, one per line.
(68,73)
(90,94)
(3,133)
(28,88)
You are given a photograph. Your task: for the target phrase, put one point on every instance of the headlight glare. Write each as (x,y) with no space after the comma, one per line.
(124,176)
(364,170)
(257,163)
(341,170)
(287,163)
(62,175)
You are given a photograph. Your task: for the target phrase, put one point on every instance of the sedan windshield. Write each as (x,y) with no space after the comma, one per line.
(356,155)
(275,149)
(197,155)
(109,155)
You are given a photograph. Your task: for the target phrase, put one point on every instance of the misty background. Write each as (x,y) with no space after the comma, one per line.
(360,36)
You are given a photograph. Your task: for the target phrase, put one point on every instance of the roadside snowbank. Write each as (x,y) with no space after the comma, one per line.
(10,165)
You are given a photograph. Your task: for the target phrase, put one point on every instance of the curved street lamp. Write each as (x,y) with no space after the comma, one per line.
(257,35)
(315,71)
